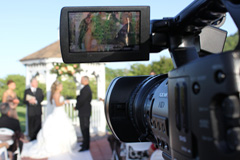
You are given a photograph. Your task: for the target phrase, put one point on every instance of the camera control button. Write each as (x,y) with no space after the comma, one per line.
(196,88)
(220,76)
(184,107)
(177,107)
(230,106)
(166,146)
(233,138)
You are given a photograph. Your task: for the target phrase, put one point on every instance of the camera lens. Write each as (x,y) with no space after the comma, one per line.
(132,103)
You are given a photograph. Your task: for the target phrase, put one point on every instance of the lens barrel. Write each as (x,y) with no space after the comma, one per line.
(131,103)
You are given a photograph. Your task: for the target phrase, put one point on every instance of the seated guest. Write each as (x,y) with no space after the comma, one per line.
(6,121)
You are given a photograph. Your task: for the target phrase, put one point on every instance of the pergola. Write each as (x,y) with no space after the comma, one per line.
(40,63)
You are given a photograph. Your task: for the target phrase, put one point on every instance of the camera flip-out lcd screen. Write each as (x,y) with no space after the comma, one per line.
(100,34)
(104,31)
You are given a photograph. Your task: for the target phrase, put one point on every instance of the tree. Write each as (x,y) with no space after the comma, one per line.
(139,69)
(43,87)
(93,85)
(159,67)
(3,87)
(69,88)
(231,42)
(163,66)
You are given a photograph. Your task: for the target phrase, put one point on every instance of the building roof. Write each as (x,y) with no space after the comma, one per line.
(51,51)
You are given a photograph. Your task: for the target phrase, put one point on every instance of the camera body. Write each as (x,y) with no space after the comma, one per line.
(192,112)
(204,108)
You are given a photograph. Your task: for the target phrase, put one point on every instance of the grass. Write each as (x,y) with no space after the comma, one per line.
(21,110)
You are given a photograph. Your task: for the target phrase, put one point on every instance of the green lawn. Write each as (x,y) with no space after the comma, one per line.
(21,114)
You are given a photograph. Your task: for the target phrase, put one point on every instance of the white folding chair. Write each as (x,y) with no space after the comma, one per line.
(3,153)
(5,136)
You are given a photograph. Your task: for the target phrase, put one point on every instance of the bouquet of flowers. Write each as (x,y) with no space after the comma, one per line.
(62,69)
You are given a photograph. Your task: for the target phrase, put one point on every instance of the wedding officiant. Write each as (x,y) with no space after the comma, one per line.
(33,97)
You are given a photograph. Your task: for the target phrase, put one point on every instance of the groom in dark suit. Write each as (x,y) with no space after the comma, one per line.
(33,98)
(84,111)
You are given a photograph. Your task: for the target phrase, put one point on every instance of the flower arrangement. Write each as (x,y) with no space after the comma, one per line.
(62,69)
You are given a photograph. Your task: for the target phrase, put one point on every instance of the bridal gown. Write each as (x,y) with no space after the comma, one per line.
(56,137)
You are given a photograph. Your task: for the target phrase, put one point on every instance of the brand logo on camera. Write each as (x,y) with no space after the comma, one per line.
(163,94)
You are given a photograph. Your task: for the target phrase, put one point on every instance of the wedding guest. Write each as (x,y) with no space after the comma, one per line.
(84,111)
(6,121)
(152,73)
(9,96)
(33,97)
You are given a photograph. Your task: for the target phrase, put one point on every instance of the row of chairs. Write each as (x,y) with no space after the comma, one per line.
(6,135)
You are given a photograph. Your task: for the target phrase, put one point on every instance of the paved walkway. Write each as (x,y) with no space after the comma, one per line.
(100,149)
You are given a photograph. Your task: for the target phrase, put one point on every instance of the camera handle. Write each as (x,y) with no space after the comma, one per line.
(183,35)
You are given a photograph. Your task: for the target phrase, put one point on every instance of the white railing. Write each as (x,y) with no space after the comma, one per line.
(97,119)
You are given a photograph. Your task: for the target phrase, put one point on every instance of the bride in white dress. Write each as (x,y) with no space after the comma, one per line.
(57,135)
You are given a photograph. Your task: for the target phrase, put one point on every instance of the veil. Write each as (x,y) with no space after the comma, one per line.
(50,108)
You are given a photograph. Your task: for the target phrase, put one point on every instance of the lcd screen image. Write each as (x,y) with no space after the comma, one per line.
(104,31)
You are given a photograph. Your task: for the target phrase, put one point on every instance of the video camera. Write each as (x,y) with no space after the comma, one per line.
(192,112)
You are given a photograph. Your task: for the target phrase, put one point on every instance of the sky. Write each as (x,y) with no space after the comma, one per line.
(27,26)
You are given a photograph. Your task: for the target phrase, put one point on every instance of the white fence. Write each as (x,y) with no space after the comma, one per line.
(97,119)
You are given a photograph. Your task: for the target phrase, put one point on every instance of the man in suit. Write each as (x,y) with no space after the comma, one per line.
(6,121)
(33,98)
(84,111)
(125,36)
